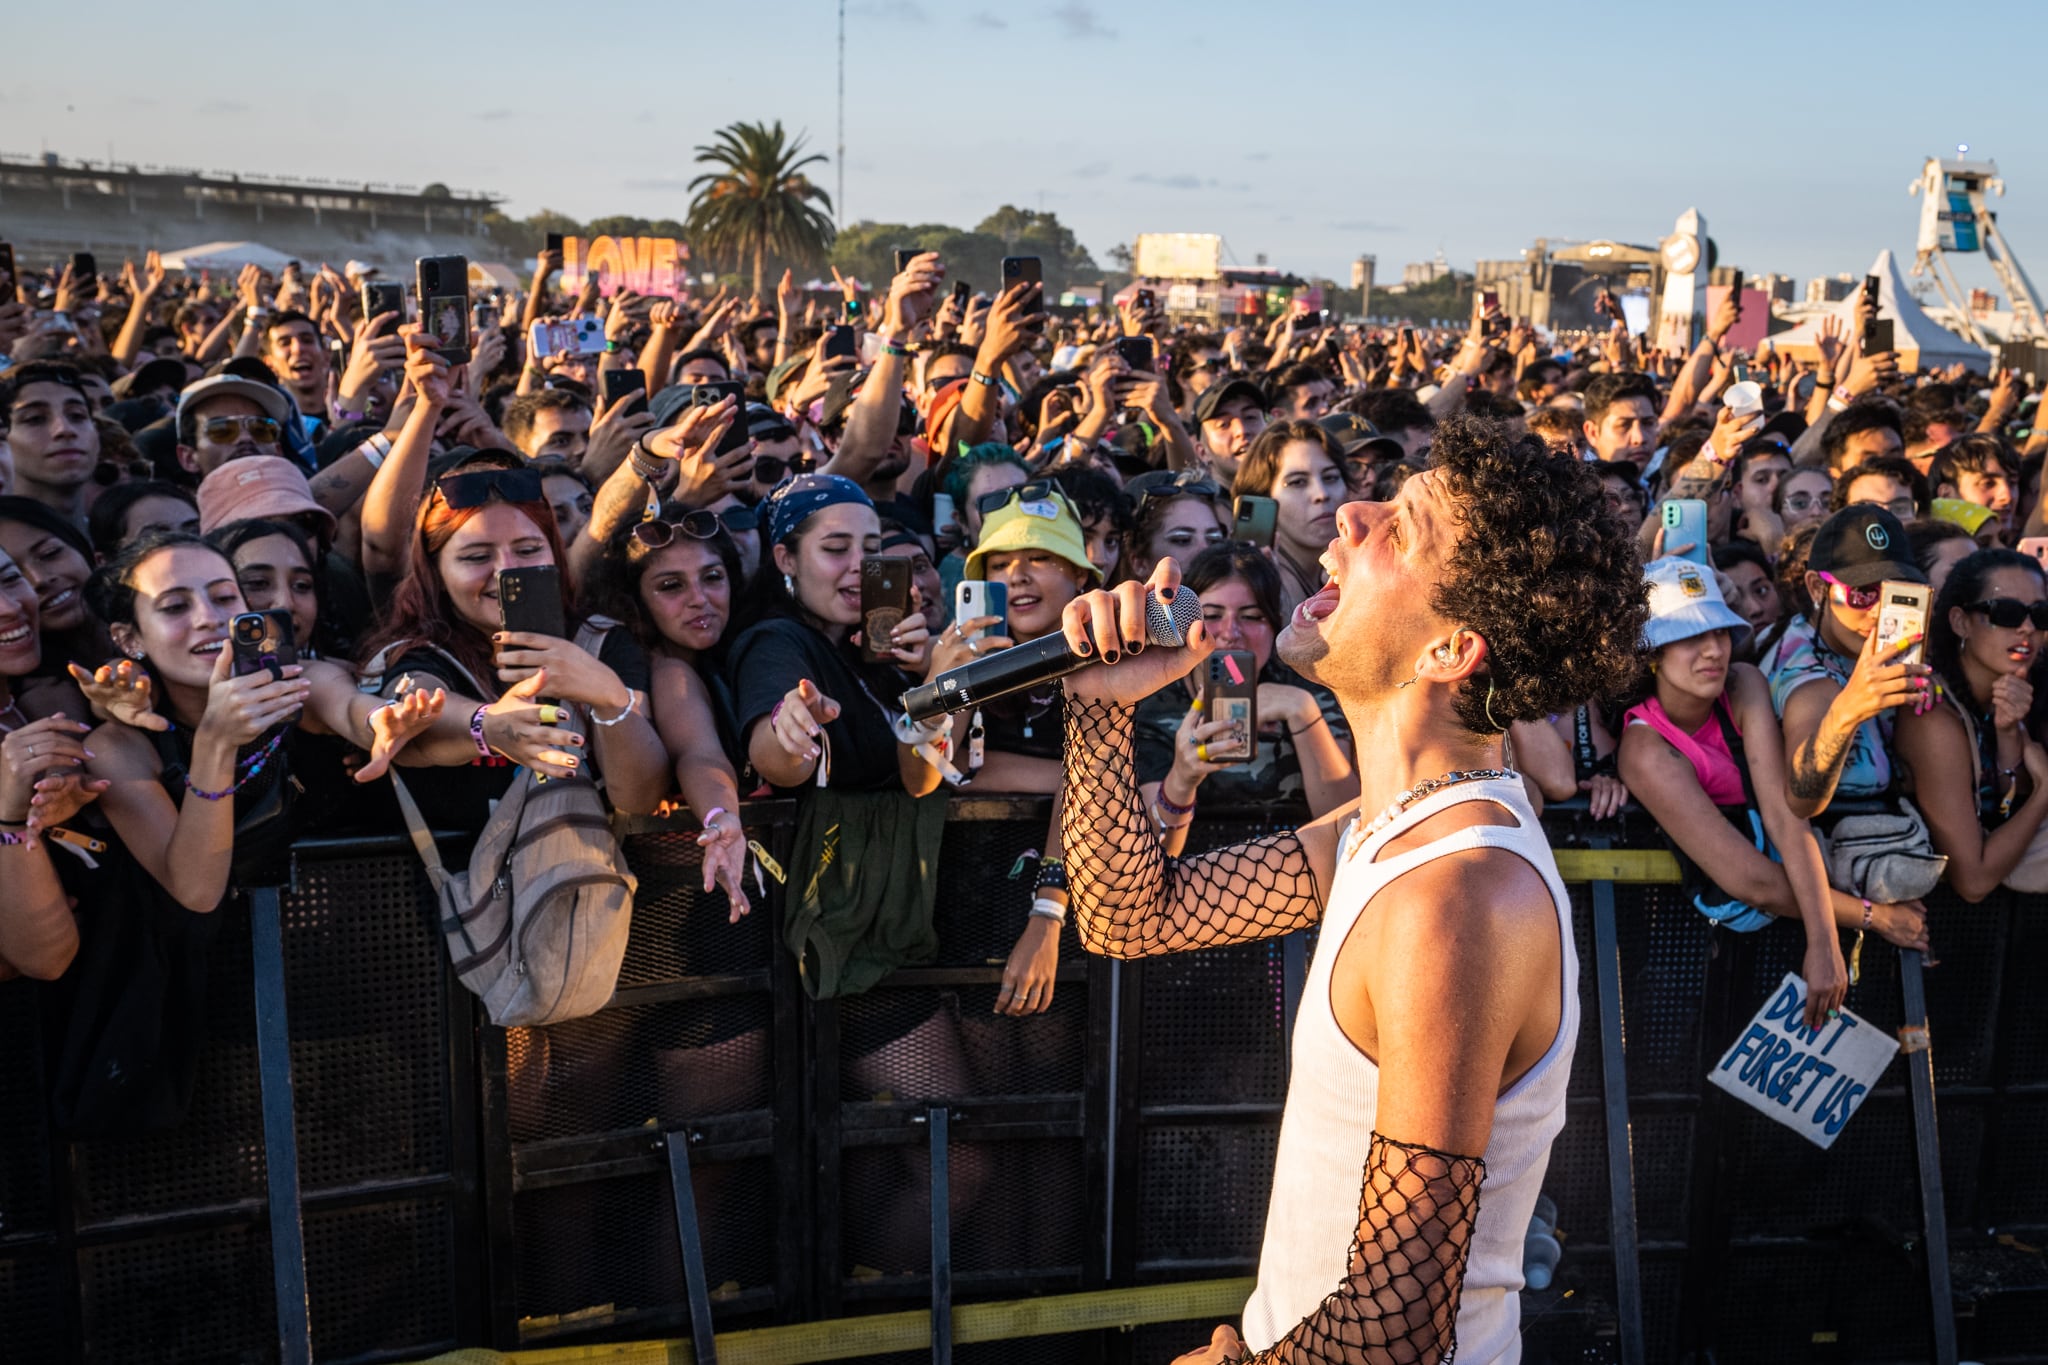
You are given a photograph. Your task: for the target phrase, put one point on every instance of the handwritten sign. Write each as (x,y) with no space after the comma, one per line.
(645,265)
(1811,1081)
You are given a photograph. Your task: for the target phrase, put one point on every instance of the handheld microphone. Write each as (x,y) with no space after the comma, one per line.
(1041,660)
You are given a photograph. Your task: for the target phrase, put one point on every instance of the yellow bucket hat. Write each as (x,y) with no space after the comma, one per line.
(1039,519)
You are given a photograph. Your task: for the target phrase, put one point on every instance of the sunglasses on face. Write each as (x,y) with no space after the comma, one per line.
(475,487)
(657,534)
(774,468)
(1855,599)
(988,504)
(2008,612)
(109,472)
(223,431)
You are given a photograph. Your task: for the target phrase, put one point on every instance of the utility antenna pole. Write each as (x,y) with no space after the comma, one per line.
(839,196)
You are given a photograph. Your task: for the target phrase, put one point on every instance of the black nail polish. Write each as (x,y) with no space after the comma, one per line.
(1134,646)
(1084,649)
(1111,657)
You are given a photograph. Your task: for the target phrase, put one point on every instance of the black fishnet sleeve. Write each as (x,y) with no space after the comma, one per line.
(1399,1304)
(1127,897)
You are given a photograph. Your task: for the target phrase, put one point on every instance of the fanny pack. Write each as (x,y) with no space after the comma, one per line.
(1885,857)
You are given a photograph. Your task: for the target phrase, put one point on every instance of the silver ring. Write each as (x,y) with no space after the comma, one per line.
(972,647)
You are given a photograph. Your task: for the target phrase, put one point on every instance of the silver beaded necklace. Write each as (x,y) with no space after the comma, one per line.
(1430,788)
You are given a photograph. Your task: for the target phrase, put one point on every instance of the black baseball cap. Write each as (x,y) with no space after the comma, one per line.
(1862,546)
(1360,439)
(1216,395)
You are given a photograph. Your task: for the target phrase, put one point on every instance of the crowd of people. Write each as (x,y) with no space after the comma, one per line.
(710,486)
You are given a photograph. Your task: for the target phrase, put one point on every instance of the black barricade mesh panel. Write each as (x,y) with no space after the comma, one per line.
(679,931)
(196,1297)
(610,1245)
(1663,955)
(379,1277)
(1070,1348)
(981,907)
(1859,1300)
(1663,1165)
(24,1136)
(1017,1207)
(2016,1173)
(2023,1041)
(216,1155)
(368,1020)
(1212,1030)
(927,1044)
(1970,943)
(636,1066)
(28,1308)
(1203,1192)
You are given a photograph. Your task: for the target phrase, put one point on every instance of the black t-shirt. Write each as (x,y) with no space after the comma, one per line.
(1031,723)
(773,656)
(461,798)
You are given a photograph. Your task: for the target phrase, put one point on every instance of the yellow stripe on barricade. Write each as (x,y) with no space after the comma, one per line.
(1636,865)
(1208,1301)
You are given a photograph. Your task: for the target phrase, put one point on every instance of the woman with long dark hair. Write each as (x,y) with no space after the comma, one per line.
(57,560)
(1302,469)
(1984,637)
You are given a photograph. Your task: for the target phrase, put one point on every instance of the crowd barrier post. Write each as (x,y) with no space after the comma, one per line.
(280,1132)
(1621,1176)
(691,1241)
(1919,1060)
(940,1136)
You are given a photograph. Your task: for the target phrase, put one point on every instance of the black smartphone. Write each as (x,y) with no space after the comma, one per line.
(710,394)
(621,383)
(554,241)
(530,600)
(383,296)
(1735,289)
(1146,300)
(1137,353)
(7,276)
(853,312)
(484,313)
(884,601)
(961,293)
(85,273)
(1872,290)
(904,256)
(1026,270)
(1254,519)
(1878,336)
(1230,692)
(842,341)
(444,304)
(262,642)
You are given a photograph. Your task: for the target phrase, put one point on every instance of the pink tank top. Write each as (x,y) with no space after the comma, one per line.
(1706,749)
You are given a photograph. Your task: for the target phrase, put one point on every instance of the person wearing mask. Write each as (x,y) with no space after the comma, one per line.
(1702,754)
(1984,634)
(1172,515)
(1300,467)
(1833,690)
(1302,752)
(46,416)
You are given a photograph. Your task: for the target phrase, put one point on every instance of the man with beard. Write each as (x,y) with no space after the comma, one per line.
(229,418)
(1436,1031)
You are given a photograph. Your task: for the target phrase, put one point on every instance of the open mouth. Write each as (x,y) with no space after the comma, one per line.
(1318,606)
(1024,603)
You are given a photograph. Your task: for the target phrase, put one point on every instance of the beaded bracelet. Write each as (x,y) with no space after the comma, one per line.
(261,758)
(1167,806)
(632,705)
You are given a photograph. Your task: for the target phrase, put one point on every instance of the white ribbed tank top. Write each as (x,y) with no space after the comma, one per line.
(1333,1096)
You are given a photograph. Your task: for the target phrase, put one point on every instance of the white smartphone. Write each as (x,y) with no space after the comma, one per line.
(1902,614)
(580,336)
(943,512)
(979,597)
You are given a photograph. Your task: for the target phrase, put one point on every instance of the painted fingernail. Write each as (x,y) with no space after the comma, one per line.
(572,761)
(1084,649)
(1134,646)
(1110,656)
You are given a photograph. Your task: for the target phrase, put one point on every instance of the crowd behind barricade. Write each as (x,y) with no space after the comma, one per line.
(263,549)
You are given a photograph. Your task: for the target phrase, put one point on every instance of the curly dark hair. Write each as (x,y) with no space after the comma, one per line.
(1542,570)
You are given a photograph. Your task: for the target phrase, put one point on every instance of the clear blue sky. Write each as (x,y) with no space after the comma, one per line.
(1309,132)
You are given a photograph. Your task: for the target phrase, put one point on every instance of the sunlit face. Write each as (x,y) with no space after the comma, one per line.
(227,427)
(52,436)
(1882,490)
(1995,649)
(1188,526)
(158,513)
(1697,667)
(294,351)
(1872,444)
(185,597)
(1237,621)
(571,502)
(986,479)
(1105,547)
(1626,431)
(499,536)
(563,432)
(1806,498)
(1039,584)
(1308,401)
(703,370)
(1308,487)
(1989,487)
(1760,481)
(1230,431)
(825,561)
(56,571)
(21,645)
(687,594)
(275,576)
(1753,594)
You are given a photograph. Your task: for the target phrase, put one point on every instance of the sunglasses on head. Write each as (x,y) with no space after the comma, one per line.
(2008,612)
(775,468)
(656,534)
(1161,483)
(475,487)
(988,504)
(222,431)
(1855,599)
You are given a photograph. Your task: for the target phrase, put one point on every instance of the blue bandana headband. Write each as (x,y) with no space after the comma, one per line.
(797,500)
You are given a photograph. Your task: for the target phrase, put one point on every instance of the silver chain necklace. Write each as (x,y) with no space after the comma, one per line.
(1430,788)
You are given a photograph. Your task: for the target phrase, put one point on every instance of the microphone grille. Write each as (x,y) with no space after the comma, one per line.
(1167,623)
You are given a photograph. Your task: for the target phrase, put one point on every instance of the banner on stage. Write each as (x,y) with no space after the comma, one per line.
(1812,1081)
(645,265)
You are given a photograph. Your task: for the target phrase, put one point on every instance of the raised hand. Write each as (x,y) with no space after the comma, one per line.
(120,692)
(395,723)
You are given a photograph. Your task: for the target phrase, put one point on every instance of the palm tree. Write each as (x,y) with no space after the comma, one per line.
(759,201)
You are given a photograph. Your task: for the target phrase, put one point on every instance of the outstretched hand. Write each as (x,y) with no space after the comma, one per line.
(394,724)
(120,692)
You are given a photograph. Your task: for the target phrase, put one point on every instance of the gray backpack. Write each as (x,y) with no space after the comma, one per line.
(537,925)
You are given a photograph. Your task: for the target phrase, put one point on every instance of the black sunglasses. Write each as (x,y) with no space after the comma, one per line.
(656,534)
(108,472)
(1162,483)
(988,504)
(740,519)
(2008,612)
(474,487)
(774,468)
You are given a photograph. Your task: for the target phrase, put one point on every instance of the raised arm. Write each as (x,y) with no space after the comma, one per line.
(395,491)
